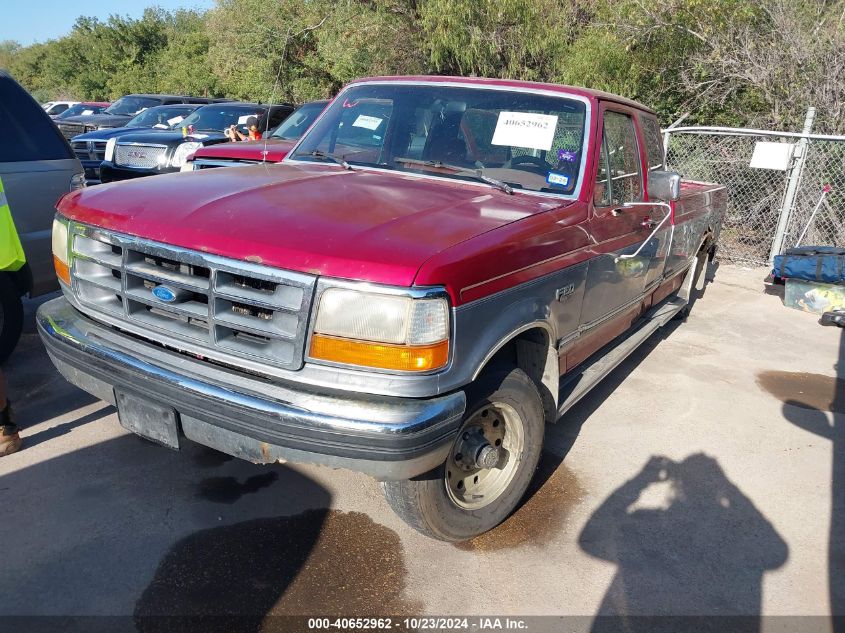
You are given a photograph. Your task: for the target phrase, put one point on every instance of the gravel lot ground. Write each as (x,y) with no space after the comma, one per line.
(705,476)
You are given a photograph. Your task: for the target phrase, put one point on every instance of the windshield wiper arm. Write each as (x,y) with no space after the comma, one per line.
(477,173)
(495,182)
(338,159)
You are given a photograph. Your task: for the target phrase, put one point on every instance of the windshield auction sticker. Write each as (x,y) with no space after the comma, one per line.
(368,122)
(525,129)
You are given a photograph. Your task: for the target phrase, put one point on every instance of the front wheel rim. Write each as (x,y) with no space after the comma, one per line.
(494,434)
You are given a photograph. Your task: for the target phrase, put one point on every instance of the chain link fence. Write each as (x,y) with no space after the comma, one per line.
(818,214)
(768,209)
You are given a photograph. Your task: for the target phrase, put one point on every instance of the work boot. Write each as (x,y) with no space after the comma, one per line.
(10,440)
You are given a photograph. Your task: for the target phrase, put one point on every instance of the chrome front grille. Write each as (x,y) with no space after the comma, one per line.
(80,148)
(230,309)
(89,150)
(141,156)
(69,130)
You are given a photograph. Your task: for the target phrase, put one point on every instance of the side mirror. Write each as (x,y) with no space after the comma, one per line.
(664,185)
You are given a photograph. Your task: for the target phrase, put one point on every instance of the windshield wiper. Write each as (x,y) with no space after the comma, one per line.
(336,158)
(495,182)
(476,173)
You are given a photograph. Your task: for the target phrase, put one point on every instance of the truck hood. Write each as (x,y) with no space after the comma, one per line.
(109,120)
(276,149)
(106,134)
(317,219)
(172,138)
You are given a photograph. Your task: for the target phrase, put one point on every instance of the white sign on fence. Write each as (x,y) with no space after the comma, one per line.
(768,155)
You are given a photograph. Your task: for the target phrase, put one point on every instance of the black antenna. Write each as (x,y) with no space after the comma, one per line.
(273,96)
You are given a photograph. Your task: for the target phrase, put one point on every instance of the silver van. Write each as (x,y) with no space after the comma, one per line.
(37,166)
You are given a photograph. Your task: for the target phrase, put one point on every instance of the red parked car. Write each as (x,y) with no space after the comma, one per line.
(271,149)
(440,267)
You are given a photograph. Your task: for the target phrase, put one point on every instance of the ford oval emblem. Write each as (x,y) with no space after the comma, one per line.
(164,293)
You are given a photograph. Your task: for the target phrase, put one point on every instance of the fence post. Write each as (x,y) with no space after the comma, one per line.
(795,171)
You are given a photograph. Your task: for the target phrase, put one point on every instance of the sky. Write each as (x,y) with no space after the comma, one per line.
(42,20)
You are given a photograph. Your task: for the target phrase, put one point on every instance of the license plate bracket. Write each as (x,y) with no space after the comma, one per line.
(147,418)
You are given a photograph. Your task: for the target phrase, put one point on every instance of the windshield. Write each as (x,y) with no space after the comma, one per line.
(80,108)
(295,125)
(161,116)
(218,117)
(528,141)
(131,105)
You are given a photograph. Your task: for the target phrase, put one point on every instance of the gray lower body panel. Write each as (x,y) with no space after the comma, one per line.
(249,416)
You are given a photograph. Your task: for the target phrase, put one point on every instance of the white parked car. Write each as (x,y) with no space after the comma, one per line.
(55,108)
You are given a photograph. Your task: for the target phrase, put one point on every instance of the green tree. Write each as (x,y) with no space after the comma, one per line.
(517,39)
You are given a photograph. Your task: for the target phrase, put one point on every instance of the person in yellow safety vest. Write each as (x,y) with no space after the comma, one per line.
(11,259)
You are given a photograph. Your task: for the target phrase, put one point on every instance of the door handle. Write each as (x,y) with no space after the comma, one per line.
(618,211)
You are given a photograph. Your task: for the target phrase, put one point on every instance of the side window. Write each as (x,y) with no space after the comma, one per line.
(619,179)
(28,133)
(653,142)
(278,115)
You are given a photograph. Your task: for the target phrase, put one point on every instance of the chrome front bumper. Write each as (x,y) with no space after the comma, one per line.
(252,417)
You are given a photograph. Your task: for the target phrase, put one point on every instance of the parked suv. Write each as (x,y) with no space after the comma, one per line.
(120,113)
(90,147)
(151,152)
(36,168)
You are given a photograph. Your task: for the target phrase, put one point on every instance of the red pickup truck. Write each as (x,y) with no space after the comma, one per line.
(440,267)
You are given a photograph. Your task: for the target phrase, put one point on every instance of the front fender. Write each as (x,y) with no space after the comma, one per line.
(551,303)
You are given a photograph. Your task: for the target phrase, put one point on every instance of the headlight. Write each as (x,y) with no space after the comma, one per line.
(182,152)
(61,261)
(188,165)
(379,330)
(110,148)
(77,181)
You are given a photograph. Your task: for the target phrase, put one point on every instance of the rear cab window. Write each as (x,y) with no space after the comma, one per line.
(28,132)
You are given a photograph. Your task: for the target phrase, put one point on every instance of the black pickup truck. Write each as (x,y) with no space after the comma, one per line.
(121,112)
(150,152)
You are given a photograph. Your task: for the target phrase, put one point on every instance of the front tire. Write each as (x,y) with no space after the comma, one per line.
(489,466)
(11,316)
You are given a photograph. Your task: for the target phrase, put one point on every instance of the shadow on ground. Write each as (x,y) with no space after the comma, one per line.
(38,391)
(816,403)
(128,527)
(686,542)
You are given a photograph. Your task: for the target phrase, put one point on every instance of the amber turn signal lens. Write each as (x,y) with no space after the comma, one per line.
(62,270)
(380,355)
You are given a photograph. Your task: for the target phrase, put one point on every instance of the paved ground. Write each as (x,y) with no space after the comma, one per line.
(698,478)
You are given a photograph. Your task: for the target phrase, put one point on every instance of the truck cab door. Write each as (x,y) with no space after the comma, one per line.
(614,291)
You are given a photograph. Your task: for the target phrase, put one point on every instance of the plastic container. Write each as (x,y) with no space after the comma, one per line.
(813,296)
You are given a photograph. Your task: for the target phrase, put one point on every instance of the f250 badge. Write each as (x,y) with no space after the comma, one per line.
(564,292)
(164,293)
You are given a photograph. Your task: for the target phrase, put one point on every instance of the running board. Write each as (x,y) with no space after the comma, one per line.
(576,386)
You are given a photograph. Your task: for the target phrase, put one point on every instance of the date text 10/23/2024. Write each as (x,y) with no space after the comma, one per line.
(419,623)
